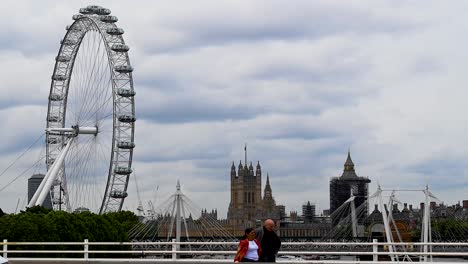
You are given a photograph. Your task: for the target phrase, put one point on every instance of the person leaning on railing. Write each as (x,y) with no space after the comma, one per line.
(249,249)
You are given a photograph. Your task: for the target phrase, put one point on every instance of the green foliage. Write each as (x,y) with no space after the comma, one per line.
(450,229)
(38,224)
(38,210)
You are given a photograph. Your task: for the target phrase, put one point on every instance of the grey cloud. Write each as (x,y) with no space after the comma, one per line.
(299,83)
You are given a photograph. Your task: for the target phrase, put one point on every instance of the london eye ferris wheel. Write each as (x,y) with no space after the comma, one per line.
(91,117)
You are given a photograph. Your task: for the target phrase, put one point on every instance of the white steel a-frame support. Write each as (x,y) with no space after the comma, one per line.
(426,224)
(388,231)
(353,214)
(178,204)
(44,188)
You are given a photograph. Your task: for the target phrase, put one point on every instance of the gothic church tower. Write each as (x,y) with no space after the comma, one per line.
(247,205)
(246,197)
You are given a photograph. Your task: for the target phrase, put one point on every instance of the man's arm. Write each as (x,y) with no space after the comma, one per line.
(259,234)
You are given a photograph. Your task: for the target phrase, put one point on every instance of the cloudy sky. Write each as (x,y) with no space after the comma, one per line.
(300,82)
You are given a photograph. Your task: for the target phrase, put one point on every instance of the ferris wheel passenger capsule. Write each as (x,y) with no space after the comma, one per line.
(118,194)
(77,16)
(54,118)
(59,77)
(85,11)
(93,8)
(109,19)
(127,118)
(120,48)
(62,58)
(102,11)
(115,31)
(123,170)
(126,92)
(126,145)
(56,97)
(123,68)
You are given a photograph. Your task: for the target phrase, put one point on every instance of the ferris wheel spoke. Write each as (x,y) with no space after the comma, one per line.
(105,106)
(88,88)
(103,100)
(82,171)
(102,149)
(85,86)
(107,103)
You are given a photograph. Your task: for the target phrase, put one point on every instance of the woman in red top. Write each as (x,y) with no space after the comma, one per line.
(249,249)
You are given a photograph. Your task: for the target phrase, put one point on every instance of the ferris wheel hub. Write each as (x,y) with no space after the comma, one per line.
(75,130)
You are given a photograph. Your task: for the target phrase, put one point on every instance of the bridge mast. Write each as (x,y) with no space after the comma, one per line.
(388,231)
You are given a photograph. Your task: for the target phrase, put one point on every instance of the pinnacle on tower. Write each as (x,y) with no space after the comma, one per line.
(349,171)
(349,162)
(233,170)
(267,192)
(245,150)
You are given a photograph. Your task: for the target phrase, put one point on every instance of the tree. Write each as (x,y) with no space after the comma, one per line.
(38,224)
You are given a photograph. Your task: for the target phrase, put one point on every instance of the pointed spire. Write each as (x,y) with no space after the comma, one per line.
(245,150)
(233,170)
(348,171)
(349,161)
(267,192)
(268,200)
(258,165)
(178,186)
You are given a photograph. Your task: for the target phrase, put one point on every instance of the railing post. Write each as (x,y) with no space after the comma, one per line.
(375,249)
(5,248)
(174,249)
(86,249)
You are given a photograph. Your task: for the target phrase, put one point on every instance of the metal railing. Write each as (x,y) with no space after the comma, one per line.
(223,252)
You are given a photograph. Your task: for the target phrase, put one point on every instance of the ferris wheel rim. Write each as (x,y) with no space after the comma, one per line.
(123,107)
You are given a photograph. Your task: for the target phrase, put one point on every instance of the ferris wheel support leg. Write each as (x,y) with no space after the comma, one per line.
(53,173)
(33,200)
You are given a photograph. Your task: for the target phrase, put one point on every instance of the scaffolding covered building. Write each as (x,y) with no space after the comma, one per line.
(341,188)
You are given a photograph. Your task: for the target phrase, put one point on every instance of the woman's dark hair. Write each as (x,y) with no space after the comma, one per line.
(246,232)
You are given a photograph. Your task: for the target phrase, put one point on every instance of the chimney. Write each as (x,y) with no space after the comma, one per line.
(433,205)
